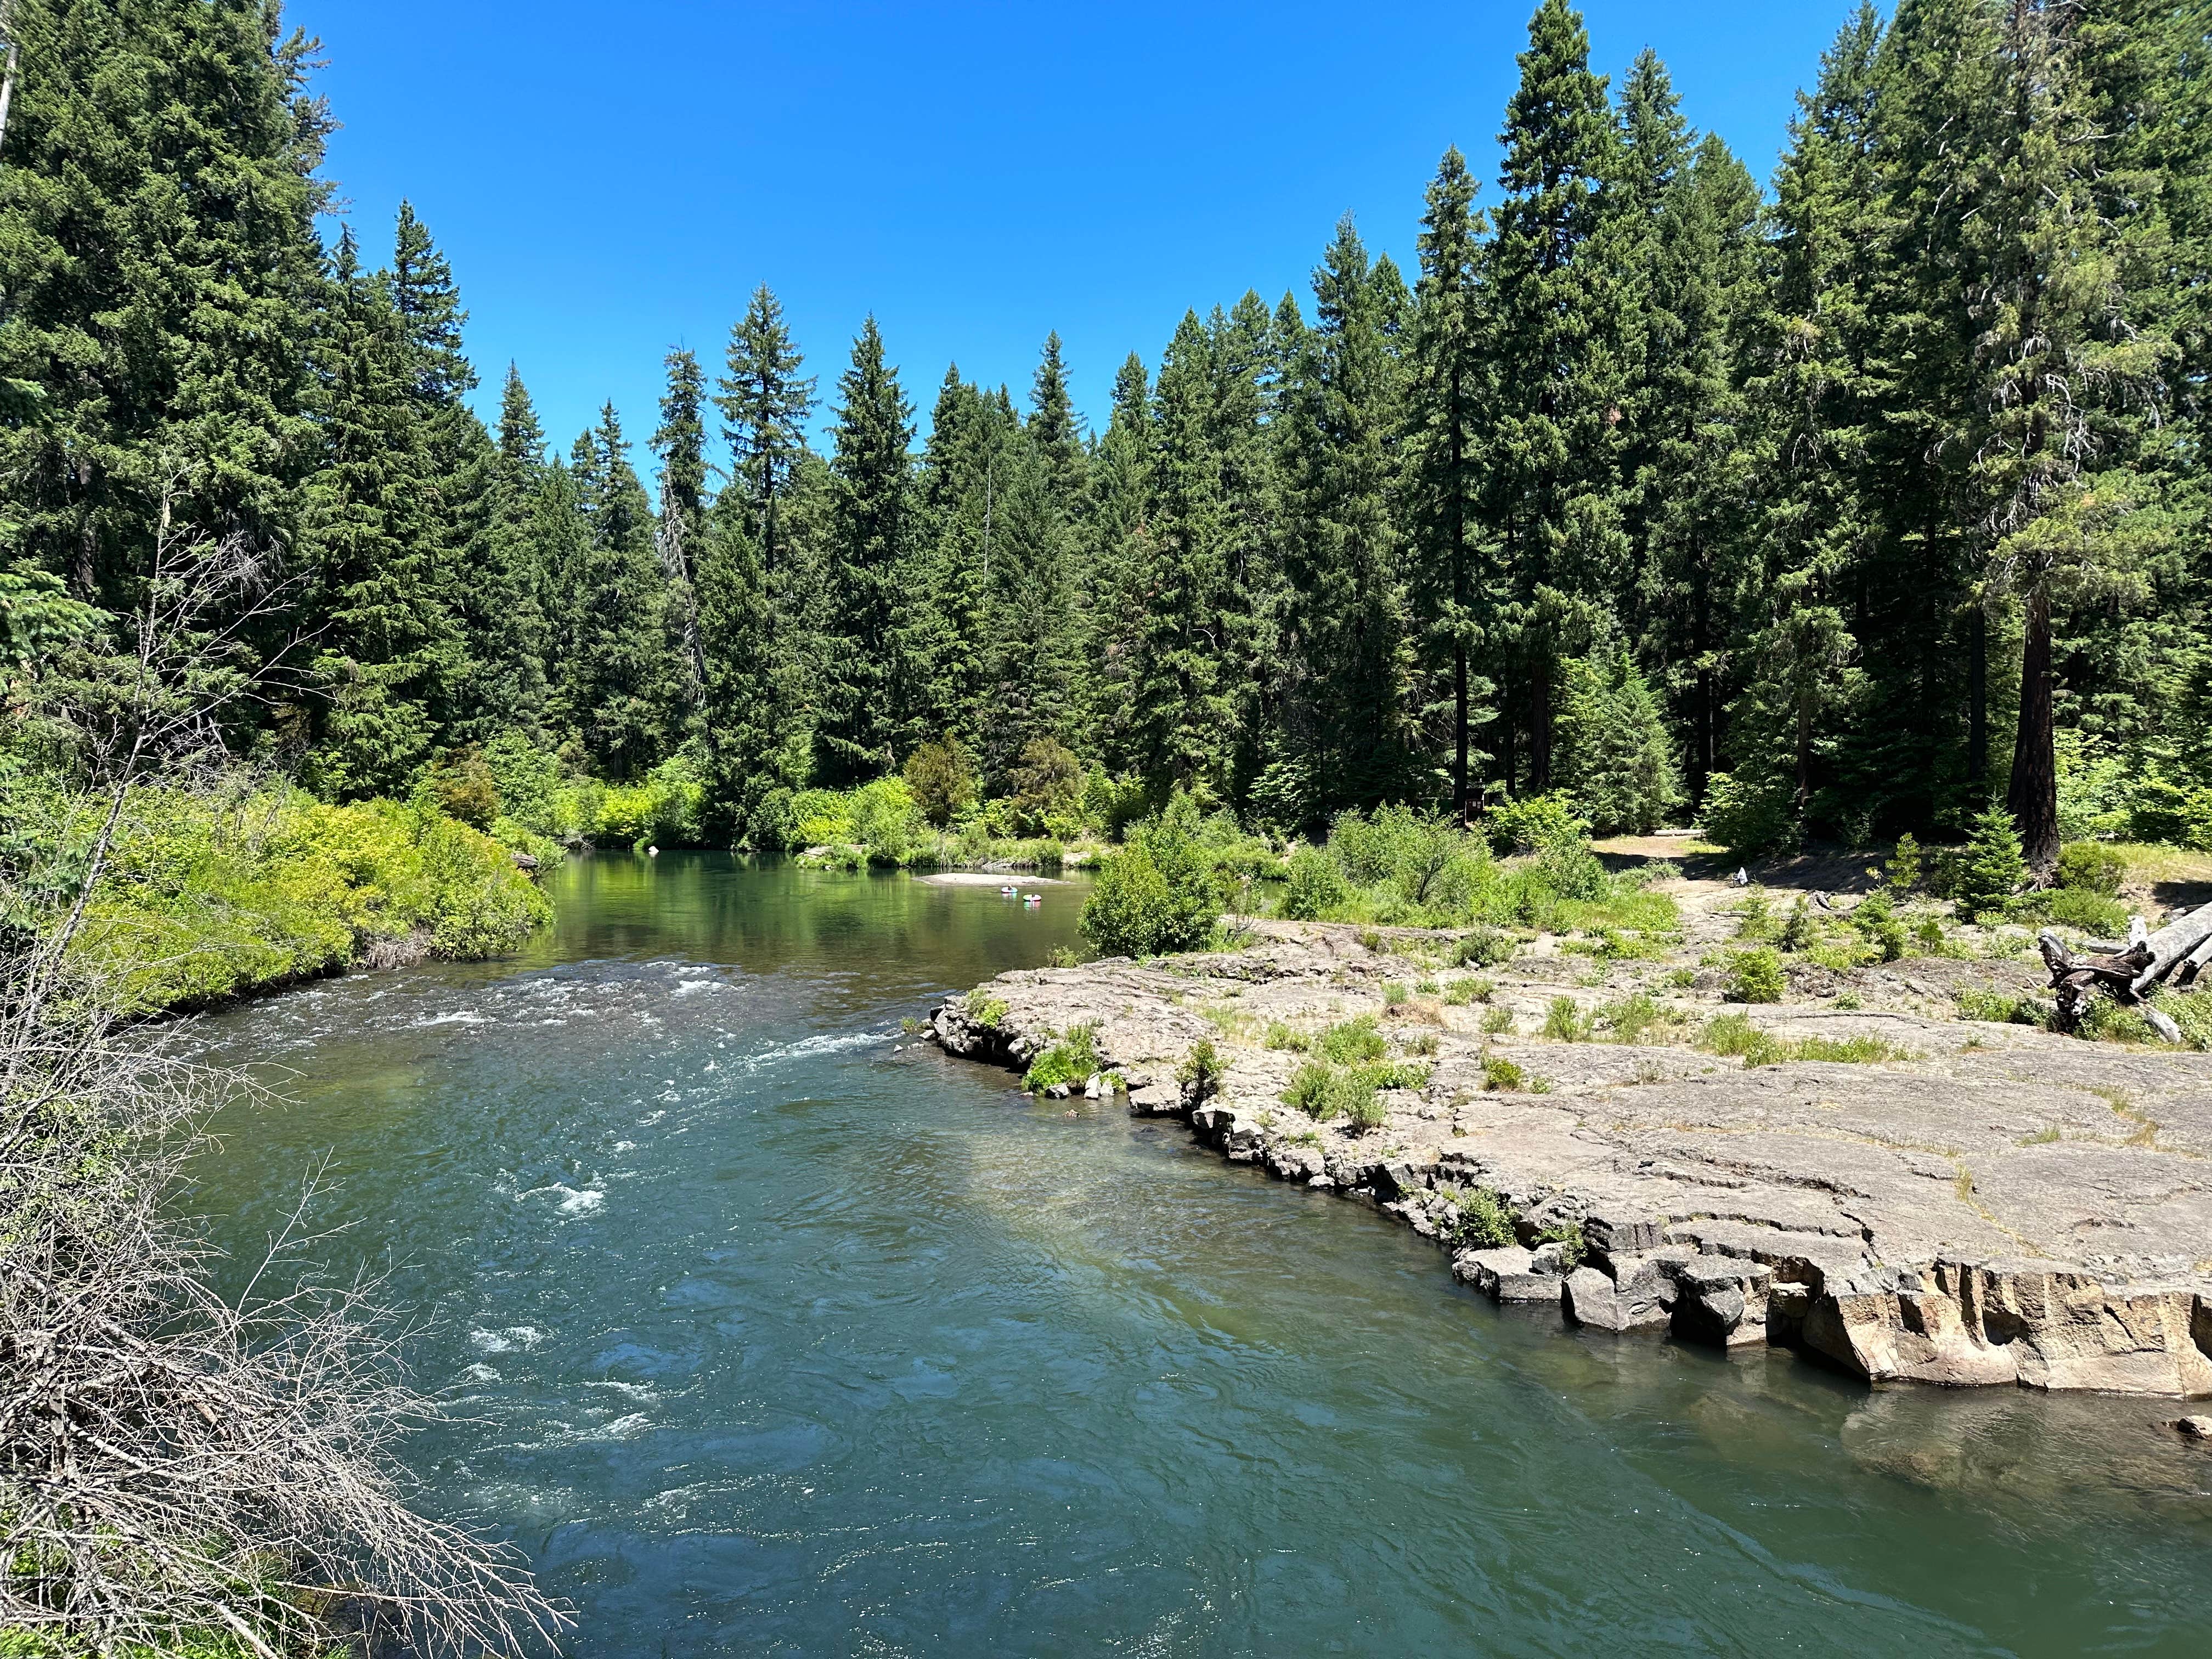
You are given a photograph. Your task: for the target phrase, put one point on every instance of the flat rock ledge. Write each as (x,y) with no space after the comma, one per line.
(1991,1210)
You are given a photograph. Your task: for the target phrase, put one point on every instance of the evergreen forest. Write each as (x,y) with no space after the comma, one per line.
(1839,506)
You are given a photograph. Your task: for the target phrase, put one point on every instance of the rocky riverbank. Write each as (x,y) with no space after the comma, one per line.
(1970,1203)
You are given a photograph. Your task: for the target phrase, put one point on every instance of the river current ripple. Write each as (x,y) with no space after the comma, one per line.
(771,1331)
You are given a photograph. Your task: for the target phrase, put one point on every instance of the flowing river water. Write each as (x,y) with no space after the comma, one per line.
(776,1333)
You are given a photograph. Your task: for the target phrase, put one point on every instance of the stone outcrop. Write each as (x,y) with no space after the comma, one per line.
(2005,1206)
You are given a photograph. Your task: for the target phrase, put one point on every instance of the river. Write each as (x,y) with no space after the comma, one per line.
(779,1333)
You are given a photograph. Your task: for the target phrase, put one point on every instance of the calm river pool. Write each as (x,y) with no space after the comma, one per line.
(782,1333)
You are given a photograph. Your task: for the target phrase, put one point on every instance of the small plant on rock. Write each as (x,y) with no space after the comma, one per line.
(1201,1071)
(1564,1022)
(1497,1022)
(1501,1075)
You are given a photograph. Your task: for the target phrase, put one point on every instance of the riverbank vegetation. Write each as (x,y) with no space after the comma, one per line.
(1823,511)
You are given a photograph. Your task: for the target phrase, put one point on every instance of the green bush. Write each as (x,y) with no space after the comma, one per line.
(1353,1042)
(1629,1018)
(1280,1037)
(2093,913)
(1316,887)
(1748,816)
(1733,1037)
(2089,866)
(1978,1003)
(1755,975)
(1906,867)
(1159,894)
(1536,823)
(1322,1092)
(1045,791)
(1484,947)
(1568,1235)
(2160,809)
(667,806)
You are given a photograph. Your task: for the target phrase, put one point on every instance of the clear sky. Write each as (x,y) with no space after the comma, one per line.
(610,181)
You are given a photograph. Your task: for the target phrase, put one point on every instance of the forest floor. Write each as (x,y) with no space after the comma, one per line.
(1857,1170)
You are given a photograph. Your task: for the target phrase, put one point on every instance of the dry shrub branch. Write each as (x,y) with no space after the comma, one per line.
(175,1464)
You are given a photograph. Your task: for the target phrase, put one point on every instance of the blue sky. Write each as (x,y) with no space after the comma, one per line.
(610,181)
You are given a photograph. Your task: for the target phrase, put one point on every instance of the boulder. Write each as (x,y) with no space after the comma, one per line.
(1635,1295)
(1507,1273)
(2193,1428)
(1156,1100)
(1720,1299)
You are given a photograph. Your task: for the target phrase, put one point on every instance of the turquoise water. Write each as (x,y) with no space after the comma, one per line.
(783,1334)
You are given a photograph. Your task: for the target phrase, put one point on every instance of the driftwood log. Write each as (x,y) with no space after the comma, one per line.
(2131,974)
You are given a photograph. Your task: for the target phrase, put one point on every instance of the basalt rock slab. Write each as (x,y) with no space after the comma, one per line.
(1979,1213)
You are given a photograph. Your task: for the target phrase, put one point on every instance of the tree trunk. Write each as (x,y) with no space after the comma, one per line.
(1459,730)
(2032,795)
(1977,696)
(1540,726)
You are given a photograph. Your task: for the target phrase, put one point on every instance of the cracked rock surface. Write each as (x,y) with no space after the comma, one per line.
(2004,1205)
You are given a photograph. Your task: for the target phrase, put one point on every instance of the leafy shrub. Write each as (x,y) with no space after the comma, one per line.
(208,896)
(1906,867)
(1630,1018)
(1989,868)
(2093,913)
(1280,1037)
(1158,893)
(1574,1248)
(461,785)
(942,780)
(1201,1071)
(1733,1037)
(1497,1021)
(666,805)
(2161,810)
(985,1010)
(1484,947)
(1755,975)
(1364,1107)
(1395,995)
(1479,1219)
(1316,885)
(2088,866)
(1352,1042)
(1536,822)
(1322,1092)
(1747,815)
(1978,1003)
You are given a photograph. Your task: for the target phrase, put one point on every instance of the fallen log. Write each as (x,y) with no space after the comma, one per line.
(2129,976)
(2174,944)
